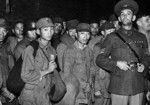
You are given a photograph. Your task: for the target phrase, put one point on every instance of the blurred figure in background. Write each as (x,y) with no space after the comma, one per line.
(143,24)
(113,18)
(67,40)
(58,26)
(17,30)
(30,34)
(102,96)
(95,35)
(6,62)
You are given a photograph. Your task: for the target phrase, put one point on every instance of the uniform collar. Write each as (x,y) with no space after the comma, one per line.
(42,46)
(126,32)
(77,45)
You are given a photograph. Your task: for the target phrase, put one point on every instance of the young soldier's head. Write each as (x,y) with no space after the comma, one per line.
(113,18)
(126,11)
(94,28)
(83,33)
(71,28)
(143,23)
(58,25)
(107,28)
(18,28)
(30,29)
(45,28)
(3,29)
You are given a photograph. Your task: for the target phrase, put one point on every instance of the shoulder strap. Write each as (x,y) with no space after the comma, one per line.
(128,44)
(35,45)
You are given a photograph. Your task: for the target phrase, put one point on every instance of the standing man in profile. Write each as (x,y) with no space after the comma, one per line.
(125,56)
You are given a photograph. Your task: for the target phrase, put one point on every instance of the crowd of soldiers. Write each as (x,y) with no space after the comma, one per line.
(101,63)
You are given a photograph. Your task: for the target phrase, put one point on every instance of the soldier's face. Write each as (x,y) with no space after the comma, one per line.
(3,33)
(126,17)
(32,34)
(47,33)
(145,23)
(72,33)
(18,29)
(83,37)
(94,28)
(57,27)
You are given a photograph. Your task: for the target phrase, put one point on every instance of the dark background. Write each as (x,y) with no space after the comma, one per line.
(84,10)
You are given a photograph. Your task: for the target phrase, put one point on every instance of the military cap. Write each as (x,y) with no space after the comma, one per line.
(44,22)
(3,23)
(58,20)
(107,25)
(126,4)
(83,27)
(72,24)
